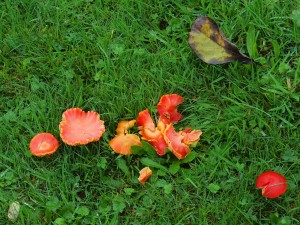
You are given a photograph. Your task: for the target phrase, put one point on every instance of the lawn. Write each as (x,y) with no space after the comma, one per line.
(118,58)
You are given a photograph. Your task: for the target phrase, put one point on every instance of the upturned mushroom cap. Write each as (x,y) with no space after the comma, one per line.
(167,108)
(43,144)
(272,184)
(190,137)
(175,142)
(151,133)
(147,128)
(123,142)
(79,128)
(124,126)
(145,173)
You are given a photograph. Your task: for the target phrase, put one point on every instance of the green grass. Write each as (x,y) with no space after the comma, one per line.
(118,58)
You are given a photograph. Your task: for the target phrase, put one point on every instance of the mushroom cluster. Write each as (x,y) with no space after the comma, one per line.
(76,128)
(161,135)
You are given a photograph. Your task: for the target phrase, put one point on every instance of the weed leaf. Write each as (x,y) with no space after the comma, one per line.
(174,167)
(214,188)
(146,148)
(151,163)
(189,158)
(210,44)
(122,166)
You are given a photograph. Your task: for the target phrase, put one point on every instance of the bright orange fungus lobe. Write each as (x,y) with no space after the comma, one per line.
(167,108)
(124,126)
(43,144)
(145,173)
(175,142)
(272,184)
(151,133)
(190,137)
(79,128)
(123,142)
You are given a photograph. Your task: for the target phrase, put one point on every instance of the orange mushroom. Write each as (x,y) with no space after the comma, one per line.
(167,108)
(147,128)
(145,174)
(175,142)
(43,144)
(79,128)
(151,133)
(123,142)
(190,137)
(124,126)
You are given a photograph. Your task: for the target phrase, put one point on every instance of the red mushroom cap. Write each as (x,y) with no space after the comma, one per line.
(190,137)
(122,143)
(79,128)
(159,145)
(167,108)
(43,144)
(124,126)
(145,173)
(175,142)
(272,184)
(146,126)
(151,133)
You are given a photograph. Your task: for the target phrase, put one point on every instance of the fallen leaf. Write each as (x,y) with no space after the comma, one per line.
(211,45)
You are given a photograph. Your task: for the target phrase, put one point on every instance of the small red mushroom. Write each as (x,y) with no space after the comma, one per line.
(145,173)
(151,133)
(43,144)
(272,184)
(167,108)
(123,141)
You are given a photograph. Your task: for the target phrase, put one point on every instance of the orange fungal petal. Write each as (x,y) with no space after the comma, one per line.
(147,127)
(79,128)
(122,143)
(43,144)
(190,137)
(124,126)
(174,141)
(159,145)
(145,173)
(167,108)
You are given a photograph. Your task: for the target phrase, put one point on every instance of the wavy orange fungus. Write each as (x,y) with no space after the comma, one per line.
(151,133)
(145,174)
(79,128)
(43,144)
(175,142)
(123,142)
(190,137)
(167,108)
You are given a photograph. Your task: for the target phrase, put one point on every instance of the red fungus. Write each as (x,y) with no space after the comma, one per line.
(43,144)
(79,128)
(145,173)
(124,126)
(190,137)
(272,184)
(123,142)
(167,108)
(175,142)
(151,133)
